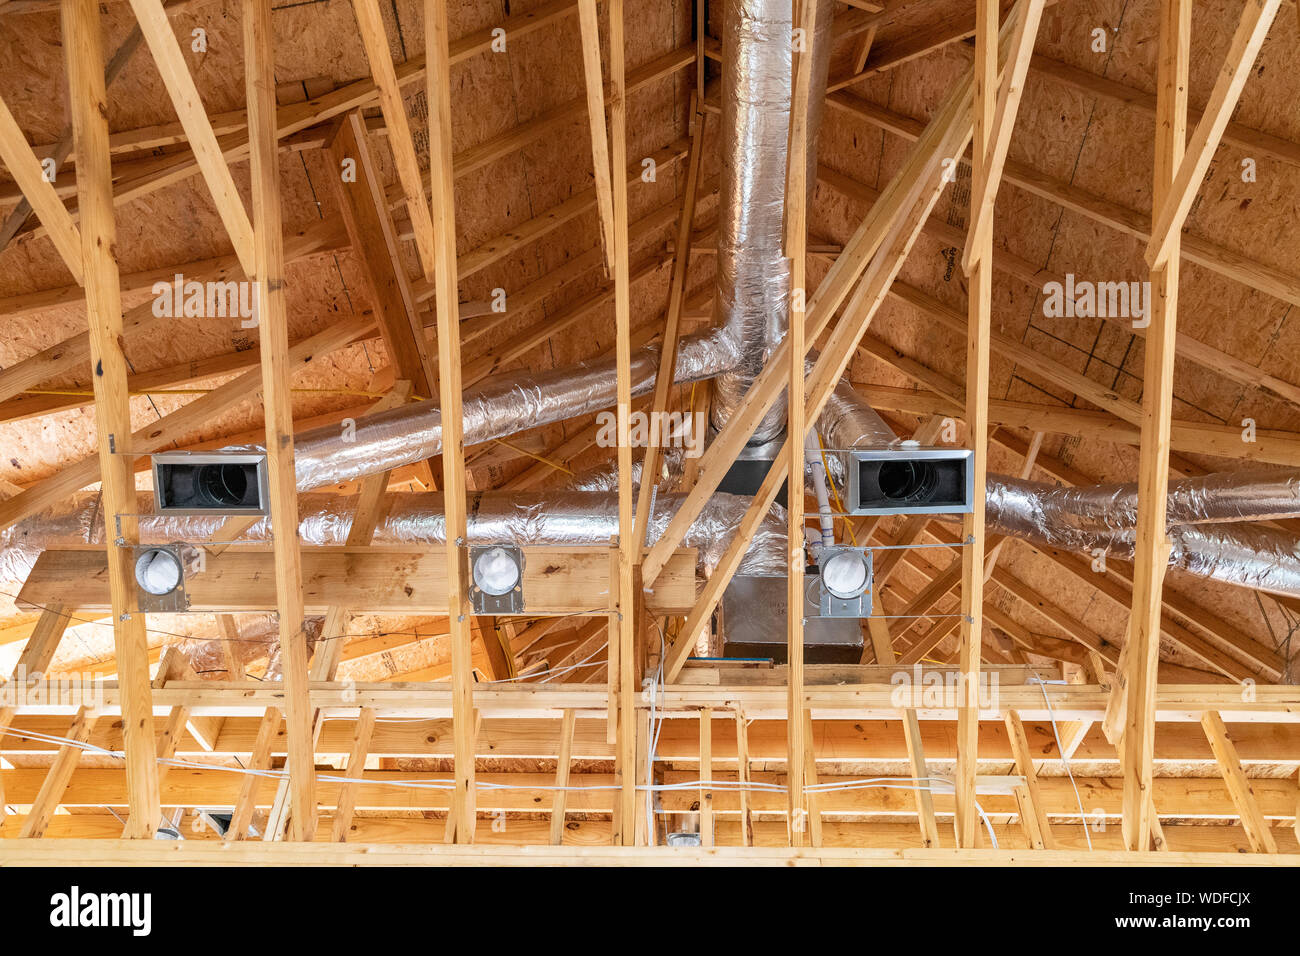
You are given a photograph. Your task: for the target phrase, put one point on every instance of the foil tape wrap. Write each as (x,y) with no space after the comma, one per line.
(753,275)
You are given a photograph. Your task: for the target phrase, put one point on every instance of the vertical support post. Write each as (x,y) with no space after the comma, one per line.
(796,246)
(438,59)
(268,280)
(1151,554)
(627,545)
(979,306)
(82,43)
(706,775)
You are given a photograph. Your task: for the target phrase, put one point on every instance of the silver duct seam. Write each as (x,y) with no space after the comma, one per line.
(753,276)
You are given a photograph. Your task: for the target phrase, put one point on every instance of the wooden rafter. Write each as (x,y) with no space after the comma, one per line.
(166,51)
(29,174)
(1187,171)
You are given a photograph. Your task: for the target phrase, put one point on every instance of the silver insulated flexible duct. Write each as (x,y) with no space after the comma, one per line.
(753,282)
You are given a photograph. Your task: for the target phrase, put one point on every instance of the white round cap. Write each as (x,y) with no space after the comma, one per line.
(845,574)
(158,572)
(495,572)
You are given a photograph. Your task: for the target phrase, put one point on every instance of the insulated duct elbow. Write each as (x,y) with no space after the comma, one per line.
(753,275)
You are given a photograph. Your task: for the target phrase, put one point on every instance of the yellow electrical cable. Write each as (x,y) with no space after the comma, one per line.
(524,451)
(848,522)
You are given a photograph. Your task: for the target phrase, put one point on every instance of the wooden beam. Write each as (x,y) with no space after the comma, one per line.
(706,776)
(1183,744)
(374,241)
(847,851)
(672,326)
(166,50)
(1034,816)
(742,776)
(1243,796)
(356,766)
(1151,552)
(32,665)
(557,581)
(979,268)
(813,799)
(57,779)
(589,24)
(629,549)
(996,140)
(84,60)
(562,765)
(260,759)
(1187,172)
(796,252)
(440,266)
(267,271)
(921,780)
(29,174)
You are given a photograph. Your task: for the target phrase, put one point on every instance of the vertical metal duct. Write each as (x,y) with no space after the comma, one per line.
(753,281)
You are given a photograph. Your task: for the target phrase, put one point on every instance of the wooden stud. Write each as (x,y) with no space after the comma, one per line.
(742,777)
(56,779)
(260,759)
(672,329)
(1243,795)
(356,768)
(706,776)
(1138,678)
(1035,823)
(996,139)
(32,664)
(589,24)
(796,252)
(980,296)
(921,780)
(627,545)
(267,272)
(85,65)
(562,777)
(441,266)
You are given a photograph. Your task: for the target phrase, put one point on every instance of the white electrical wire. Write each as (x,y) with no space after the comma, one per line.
(1083,817)
(886,783)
